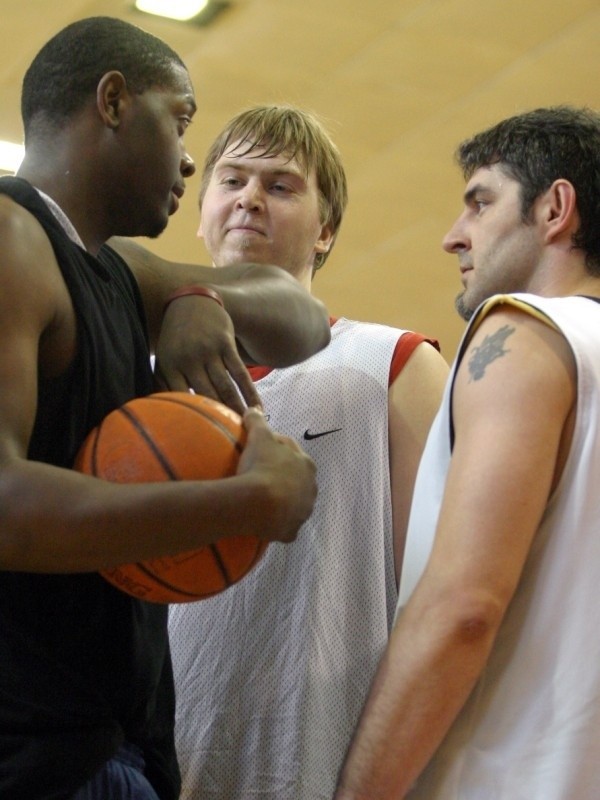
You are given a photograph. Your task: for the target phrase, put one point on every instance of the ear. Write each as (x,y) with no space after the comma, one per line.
(558,206)
(326,239)
(111,94)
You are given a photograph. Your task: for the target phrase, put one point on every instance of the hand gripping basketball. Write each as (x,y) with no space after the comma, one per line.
(164,437)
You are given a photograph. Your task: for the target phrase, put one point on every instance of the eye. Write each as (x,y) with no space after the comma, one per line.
(280,188)
(231,181)
(184,124)
(478,205)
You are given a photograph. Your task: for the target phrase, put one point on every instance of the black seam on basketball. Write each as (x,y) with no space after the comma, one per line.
(221,564)
(171,473)
(203,414)
(94,456)
(166,584)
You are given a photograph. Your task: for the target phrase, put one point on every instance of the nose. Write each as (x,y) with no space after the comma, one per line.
(188,166)
(250,196)
(456,240)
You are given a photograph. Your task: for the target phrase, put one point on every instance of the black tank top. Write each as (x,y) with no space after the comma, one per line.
(83,666)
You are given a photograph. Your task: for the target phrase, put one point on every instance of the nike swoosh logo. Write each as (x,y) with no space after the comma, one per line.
(308,435)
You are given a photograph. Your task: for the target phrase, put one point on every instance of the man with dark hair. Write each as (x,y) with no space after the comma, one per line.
(86,687)
(272,674)
(489,685)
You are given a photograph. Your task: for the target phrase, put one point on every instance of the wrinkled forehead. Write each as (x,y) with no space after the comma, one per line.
(277,155)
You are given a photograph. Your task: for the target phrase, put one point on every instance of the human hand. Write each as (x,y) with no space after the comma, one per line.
(288,473)
(197,349)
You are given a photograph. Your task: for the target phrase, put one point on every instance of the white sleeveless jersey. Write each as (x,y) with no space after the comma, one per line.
(531,728)
(271,675)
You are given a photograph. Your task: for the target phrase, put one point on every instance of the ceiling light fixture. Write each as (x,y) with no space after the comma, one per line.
(183,10)
(11,155)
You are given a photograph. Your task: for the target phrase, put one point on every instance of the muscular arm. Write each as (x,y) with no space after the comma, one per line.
(414,398)
(56,520)
(512,433)
(277,322)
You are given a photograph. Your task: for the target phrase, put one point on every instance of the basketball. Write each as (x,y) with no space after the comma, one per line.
(170,436)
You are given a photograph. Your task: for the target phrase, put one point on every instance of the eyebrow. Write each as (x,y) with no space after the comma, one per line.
(242,163)
(189,99)
(469,196)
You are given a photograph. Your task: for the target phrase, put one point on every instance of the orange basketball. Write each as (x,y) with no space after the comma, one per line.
(170,436)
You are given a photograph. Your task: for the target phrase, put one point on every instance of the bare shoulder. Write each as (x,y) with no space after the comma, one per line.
(136,255)
(16,222)
(34,302)
(415,396)
(26,252)
(511,344)
(429,359)
(425,373)
(516,383)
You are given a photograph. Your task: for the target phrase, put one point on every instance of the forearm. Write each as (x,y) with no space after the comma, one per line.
(56,520)
(277,322)
(424,679)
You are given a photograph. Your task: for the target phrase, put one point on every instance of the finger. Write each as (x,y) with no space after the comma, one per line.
(289,442)
(254,419)
(224,389)
(217,385)
(241,377)
(172,380)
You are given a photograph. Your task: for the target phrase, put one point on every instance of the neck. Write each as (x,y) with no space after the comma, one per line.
(563,276)
(73,182)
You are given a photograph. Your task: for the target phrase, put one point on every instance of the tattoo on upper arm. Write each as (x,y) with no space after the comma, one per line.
(489,350)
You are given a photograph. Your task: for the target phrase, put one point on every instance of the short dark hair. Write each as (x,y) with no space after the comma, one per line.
(540,146)
(289,131)
(68,68)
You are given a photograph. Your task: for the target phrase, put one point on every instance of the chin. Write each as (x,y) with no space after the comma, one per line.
(156,227)
(241,256)
(464,311)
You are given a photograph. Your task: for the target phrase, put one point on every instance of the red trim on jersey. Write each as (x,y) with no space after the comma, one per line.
(405,346)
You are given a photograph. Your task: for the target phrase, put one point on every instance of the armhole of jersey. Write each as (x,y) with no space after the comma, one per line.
(256,373)
(508,300)
(405,346)
(404,349)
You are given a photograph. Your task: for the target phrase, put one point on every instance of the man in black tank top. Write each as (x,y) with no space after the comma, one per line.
(86,694)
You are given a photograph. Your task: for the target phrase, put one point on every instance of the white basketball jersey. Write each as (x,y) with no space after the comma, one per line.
(531,728)
(271,675)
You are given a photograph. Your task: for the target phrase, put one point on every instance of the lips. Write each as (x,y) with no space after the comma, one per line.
(464,269)
(177,193)
(245,228)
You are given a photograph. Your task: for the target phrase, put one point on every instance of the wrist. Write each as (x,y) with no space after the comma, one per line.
(201,291)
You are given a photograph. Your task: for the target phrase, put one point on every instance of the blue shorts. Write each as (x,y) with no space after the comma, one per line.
(121,778)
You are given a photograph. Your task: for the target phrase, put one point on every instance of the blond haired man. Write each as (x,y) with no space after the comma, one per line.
(271,674)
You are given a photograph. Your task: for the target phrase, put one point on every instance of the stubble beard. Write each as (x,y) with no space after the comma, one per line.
(464,311)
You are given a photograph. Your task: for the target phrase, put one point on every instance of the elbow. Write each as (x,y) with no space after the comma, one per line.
(474,619)
(298,342)
(315,335)
(462,618)
(473,628)
(322,328)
